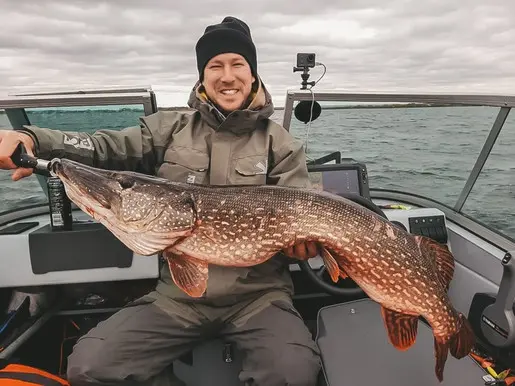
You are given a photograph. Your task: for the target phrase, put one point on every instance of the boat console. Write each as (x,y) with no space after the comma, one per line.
(35,255)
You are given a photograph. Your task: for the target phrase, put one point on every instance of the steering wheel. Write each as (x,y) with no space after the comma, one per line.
(317,276)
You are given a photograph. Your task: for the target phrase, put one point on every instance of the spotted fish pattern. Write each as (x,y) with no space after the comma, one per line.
(236,226)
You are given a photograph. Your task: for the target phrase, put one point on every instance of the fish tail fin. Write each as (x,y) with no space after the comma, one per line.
(460,345)
(464,340)
(441,352)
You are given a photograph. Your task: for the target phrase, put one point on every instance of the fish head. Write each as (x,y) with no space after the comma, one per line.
(132,205)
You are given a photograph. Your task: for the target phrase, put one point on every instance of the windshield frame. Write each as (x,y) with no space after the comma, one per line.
(82,98)
(15,109)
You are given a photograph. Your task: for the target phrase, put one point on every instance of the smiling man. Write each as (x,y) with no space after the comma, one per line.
(227,64)
(228,139)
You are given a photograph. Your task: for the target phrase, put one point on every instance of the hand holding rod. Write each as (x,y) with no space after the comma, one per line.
(21,159)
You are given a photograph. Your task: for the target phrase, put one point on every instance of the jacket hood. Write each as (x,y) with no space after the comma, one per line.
(240,121)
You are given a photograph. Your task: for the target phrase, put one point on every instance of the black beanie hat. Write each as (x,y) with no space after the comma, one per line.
(231,35)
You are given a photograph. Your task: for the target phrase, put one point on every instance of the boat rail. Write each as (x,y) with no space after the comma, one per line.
(15,106)
(82,97)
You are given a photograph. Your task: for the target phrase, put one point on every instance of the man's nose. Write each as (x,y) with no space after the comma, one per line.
(228,74)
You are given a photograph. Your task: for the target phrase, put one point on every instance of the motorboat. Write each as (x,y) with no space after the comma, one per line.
(55,285)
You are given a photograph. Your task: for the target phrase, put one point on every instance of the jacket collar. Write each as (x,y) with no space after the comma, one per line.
(241,121)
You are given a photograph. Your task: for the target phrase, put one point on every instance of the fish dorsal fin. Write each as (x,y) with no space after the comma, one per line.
(188,274)
(442,256)
(402,328)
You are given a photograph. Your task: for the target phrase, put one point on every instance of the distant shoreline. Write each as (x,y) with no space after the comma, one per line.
(334,107)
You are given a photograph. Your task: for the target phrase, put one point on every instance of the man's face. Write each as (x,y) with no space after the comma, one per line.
(228,81)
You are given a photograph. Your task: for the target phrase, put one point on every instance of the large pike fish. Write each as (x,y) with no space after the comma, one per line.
(195,225)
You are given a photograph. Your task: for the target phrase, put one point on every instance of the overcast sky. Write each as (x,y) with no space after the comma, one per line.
(367,45)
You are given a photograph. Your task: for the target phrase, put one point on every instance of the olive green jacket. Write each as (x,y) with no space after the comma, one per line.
(202,146)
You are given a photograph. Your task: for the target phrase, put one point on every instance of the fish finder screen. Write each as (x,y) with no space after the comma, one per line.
(336,181)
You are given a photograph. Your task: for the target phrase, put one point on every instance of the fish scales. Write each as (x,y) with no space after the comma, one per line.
(275,205)
(194,226)
(253,225)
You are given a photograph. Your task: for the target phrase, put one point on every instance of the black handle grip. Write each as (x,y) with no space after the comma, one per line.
(21,159)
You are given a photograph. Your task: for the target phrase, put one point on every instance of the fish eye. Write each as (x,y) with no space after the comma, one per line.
(125,182)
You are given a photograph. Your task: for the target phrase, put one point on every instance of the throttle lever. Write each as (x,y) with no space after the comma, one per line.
(498,319)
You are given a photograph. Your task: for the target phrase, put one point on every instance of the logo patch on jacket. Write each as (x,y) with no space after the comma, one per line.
(78,142)
(262,167)
(191,178)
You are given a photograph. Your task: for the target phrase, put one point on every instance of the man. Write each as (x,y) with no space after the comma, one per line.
(229,139)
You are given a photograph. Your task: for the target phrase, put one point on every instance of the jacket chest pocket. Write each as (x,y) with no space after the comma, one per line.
(251,170)
(185,165)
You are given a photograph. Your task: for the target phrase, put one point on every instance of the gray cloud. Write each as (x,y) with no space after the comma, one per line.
(400,45)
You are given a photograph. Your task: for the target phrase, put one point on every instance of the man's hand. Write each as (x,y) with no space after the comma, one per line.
(302,251)
(9,141)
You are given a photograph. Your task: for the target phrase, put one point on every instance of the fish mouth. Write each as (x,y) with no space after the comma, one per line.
(92,188)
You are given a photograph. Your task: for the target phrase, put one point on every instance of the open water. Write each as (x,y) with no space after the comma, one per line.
(427,151)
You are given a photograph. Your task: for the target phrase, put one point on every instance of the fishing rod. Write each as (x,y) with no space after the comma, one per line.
(59,203)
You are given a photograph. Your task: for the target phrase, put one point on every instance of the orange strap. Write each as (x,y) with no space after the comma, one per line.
(17,375)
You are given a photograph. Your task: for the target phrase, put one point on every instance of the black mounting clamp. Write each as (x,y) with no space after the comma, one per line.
(305,76)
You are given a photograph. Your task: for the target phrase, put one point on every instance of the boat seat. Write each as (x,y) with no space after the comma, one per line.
(209,364)
(206,365)
(356,351)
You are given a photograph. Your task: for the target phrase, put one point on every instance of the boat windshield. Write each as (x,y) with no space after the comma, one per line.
(433,146)
(80,111)
(447,150)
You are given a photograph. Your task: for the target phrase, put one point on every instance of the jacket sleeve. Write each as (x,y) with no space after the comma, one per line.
(287,164)
(138,148)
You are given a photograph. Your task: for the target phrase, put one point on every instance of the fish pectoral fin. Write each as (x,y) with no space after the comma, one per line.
(441,352)
(189,274)
(330,264)
(443,258)
(401,328)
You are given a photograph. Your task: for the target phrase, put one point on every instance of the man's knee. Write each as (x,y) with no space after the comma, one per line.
(87,364)
(298,366)
(294,365)
(279,348)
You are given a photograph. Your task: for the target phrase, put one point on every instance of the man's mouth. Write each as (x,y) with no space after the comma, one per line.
(230,91)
